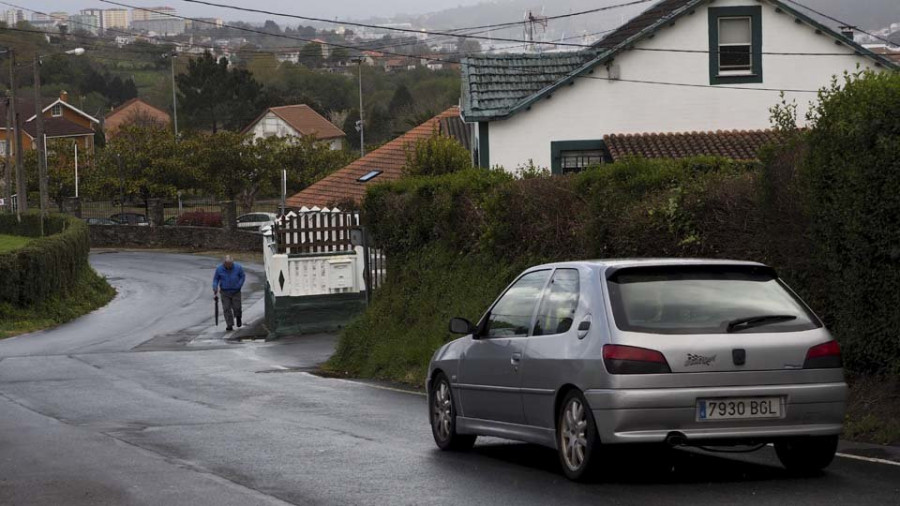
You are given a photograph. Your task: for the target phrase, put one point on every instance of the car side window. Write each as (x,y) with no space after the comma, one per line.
(511,315)
(557,311)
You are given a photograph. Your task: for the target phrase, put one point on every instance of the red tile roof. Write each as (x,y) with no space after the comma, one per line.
(389,158)
(303,119)
(735,144)
(57,127)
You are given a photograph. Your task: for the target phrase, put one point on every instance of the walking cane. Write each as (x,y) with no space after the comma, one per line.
(216,303)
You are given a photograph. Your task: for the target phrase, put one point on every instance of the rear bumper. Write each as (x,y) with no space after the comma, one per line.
(650,415)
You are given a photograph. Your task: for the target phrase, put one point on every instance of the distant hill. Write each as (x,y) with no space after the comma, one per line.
(869,14)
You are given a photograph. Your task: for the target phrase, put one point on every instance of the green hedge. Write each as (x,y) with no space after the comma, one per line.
(823,208)
(49,266)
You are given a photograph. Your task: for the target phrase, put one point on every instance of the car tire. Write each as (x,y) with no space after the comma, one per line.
(576,437)
(807,455)
(442,416)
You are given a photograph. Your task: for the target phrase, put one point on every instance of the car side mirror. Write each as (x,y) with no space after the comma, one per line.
(461,326)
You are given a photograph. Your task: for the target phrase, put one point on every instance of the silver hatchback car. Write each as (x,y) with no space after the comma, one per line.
(578,355)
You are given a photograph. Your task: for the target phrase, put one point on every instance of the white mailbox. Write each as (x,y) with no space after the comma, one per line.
(342,275)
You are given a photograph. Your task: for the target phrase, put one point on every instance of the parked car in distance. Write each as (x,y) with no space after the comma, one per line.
(256,221)
(581,356)
(130,219)
(99,221)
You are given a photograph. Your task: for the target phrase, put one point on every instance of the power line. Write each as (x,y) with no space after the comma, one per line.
(411,30)
(836,20)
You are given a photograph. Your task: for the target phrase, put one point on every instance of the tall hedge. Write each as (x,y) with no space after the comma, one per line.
(822,207)
(851,177)
(47,266)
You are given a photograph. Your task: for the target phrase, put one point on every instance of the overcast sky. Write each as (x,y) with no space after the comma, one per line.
(872,13)
(316,8)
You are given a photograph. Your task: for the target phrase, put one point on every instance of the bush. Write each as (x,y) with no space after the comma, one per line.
(851,180)
(822,207)
(454,241)
(47,266)
(437,155)
(200,219)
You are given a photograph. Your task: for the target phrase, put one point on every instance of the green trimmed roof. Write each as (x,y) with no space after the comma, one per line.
(495,84)
(495,87)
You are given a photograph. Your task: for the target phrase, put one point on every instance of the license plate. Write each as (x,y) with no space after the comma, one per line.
(738,408)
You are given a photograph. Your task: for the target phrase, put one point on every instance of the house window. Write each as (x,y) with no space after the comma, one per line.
(575,156)
(56,111)
(735,45)
(578,160)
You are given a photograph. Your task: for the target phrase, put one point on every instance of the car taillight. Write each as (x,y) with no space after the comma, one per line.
(823,356)
(631,360)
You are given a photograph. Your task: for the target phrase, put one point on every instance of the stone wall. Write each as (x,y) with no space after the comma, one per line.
(192,238)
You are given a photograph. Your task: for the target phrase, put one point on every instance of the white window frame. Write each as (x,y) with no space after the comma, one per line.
(56,111)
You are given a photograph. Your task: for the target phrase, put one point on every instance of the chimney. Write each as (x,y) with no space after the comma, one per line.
(847,32)
(64,96)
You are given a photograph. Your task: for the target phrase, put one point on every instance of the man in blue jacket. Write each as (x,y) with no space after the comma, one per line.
(229,279)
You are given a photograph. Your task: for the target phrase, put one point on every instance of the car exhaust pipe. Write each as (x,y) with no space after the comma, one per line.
(676,439)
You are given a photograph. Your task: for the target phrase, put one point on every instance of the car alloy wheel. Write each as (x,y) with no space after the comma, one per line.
(443,410)
(442,413)
(576,436)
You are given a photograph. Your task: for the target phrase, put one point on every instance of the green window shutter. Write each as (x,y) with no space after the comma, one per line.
(484,145)
(755,15)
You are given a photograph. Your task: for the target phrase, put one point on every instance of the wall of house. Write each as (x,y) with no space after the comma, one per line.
(271,125)
(592,108)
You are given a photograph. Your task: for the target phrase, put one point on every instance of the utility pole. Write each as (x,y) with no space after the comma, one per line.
(21,188)
(362,122)
(174,98)
(7,166)
(39,137)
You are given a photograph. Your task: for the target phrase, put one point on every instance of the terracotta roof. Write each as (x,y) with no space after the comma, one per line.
(734,144)
(57,127)
(133,110)
(389,158)
(303,119)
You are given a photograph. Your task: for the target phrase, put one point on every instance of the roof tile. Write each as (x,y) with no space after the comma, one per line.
(389,158)
(734,144)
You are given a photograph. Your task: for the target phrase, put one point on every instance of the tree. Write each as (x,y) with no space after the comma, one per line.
(402,101)
(466,46)
(212,96)
(338,54)
(435,156)
(311,55)
(142,162)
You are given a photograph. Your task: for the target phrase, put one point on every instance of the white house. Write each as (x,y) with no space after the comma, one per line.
(681,67)
(295,121)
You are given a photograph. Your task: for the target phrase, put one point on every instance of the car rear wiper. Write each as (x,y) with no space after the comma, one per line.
(757,321)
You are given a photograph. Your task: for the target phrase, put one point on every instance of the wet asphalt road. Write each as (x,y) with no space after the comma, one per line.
(143,402)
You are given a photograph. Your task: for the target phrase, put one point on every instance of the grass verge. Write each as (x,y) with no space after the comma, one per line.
(11,242)
(873,410)
(396,337)
(91,292)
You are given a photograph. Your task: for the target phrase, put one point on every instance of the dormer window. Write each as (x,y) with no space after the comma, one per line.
(56,111)
(735,45)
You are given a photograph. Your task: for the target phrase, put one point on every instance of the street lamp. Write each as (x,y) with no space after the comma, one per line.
(39,127)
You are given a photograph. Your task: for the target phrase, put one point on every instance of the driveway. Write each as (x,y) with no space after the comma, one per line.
(143,402)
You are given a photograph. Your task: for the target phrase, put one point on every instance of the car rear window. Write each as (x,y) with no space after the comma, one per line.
(703,300)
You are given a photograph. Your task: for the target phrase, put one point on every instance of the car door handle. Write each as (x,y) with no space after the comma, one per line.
(516,358)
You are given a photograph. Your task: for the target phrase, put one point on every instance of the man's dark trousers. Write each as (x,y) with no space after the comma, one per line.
(231,306)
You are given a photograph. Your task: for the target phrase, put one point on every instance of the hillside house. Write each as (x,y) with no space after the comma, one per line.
(62,120)
(295,121)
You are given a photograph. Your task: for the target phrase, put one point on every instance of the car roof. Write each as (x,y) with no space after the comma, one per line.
(619,263)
